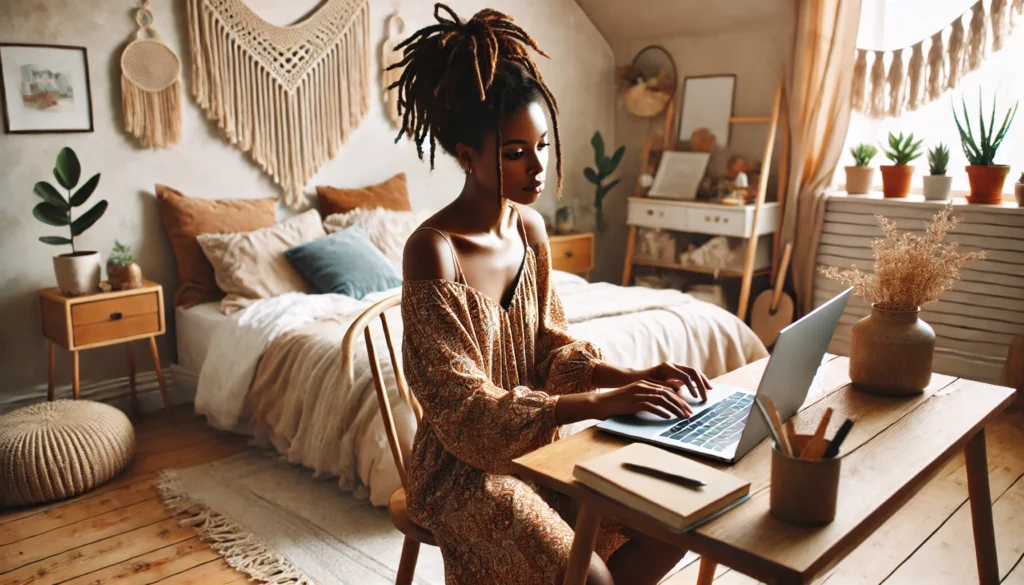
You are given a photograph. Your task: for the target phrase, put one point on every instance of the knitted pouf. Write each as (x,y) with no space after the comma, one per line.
(56,450)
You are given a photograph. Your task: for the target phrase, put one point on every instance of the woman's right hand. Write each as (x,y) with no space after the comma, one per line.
(642,396)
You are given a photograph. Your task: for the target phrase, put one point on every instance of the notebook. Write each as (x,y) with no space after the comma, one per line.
(681,508)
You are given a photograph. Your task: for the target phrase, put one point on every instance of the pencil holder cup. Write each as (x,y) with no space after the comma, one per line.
(803,492)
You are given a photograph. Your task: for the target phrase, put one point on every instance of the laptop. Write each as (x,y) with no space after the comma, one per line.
(721,428)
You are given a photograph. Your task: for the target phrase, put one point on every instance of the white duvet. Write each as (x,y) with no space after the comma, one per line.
(301,403)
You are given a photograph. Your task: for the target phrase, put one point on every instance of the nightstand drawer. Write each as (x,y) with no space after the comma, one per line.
(115,330)
(114,309)
(573,255)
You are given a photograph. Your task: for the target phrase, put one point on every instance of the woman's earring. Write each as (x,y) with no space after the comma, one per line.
(467,166)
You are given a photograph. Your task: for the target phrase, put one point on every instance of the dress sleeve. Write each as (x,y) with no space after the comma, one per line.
(565,365)
(475,420)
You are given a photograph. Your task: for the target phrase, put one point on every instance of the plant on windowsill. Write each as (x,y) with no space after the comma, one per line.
(860,178)
(78,272)
(985,176)
(891,349)
(605,167)
(896,177)
(937,184)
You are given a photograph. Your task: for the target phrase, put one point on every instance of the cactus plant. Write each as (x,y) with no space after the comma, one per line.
(605,167)
(938,159)
(903,150)
(863,153)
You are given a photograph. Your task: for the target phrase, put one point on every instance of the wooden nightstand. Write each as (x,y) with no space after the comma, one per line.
(573,253)
(98,320)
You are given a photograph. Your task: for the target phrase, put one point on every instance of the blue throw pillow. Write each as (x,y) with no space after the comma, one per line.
(344,262)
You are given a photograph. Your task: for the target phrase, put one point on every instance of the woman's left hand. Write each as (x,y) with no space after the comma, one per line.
(677,376)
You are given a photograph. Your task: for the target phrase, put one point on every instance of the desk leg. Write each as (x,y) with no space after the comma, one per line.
(75,387)
(706,575)
(981,510)
(159,372)
(587,523)
(53,365)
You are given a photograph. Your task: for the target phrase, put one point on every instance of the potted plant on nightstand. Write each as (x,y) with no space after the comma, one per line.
(78,272)
(897,176)
(122,270)
(986,177)
(937,184)
(860,177)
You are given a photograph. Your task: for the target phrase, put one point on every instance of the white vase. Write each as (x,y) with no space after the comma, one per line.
(936,187)
(77,273)
(860,180)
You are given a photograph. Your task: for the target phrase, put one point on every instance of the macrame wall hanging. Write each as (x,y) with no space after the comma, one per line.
(388,58)
(288,96)
(878,93)
(150,91)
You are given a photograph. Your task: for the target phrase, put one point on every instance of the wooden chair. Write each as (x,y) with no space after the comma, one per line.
(414,534)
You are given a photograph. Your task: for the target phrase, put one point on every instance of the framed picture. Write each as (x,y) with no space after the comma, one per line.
(708,103)
(45,88)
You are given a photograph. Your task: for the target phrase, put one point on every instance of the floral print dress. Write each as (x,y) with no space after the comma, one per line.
(488,377)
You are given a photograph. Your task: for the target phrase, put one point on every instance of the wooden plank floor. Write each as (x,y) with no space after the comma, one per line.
(121,533)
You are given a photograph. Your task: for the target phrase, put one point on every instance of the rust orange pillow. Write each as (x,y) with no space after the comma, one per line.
(391,194)
(186,217)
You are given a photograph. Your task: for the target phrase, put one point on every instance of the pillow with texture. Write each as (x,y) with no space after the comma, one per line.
(387,229)
(346,263)
(185,217)
(252,266)
(391,194)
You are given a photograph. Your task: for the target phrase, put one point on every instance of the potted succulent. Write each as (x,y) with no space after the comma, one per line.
(122,270)
(78,272)
(897,176)
(985,176)
(605,167)
(1018,191)
(860,178)
(891,349)
(937,184)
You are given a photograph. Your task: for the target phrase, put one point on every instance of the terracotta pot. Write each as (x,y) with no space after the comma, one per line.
(1018,192)
(937,187)
(860,180)
(124,276)
(896,180)
(891,353)
(987,183)
(77,273)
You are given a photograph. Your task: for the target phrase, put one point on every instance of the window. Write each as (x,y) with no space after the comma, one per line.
(888,24)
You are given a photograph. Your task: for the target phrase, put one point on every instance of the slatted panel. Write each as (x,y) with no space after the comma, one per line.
(974,322)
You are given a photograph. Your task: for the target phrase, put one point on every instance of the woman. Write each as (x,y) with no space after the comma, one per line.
(485,347)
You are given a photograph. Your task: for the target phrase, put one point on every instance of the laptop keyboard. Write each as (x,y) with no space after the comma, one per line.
(717,427)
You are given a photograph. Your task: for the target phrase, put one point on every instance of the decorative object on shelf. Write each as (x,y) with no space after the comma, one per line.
(928,73)
(1018,191)
(45,88)
(715,254)
(657,245)
(679,174)
(937,184)
(648,82)
(860,178)
(709,293)
(123,272)
(896,177)
(389,57)
(150,90)
(78,272)
(563,220)
(891,350)
(605,167)
(321,64)
(708,103)
(702,140)
(985,176)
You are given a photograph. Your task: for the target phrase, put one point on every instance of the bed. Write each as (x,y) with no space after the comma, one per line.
(275,370)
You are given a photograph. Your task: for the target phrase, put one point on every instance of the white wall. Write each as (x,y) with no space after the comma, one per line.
(580,73)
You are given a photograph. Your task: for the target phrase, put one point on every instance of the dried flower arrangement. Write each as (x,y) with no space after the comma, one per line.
(910,270)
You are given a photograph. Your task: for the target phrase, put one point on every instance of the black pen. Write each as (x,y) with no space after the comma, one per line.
(833,446)
(665,475)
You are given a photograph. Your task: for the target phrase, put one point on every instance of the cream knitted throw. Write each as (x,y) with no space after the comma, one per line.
(288,96)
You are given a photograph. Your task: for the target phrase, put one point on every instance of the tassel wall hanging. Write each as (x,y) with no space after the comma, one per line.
(287,96)
(150,91)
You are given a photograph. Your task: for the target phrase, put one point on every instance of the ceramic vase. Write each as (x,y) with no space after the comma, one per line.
(937,187)
(987,183)
(891,353)
(1018,192)
(859,180)
(896,180)
(77,273)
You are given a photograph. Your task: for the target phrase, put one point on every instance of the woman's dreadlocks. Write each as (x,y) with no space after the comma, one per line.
(461,79)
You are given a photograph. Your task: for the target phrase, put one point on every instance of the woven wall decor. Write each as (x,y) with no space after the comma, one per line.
(288,96)
(150,91)
(388,58)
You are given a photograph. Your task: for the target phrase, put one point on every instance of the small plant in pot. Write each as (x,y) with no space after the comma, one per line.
(937,184)
(896,177)
(860,178)
(78,272)
(122,270)
(891,349)
(985,176)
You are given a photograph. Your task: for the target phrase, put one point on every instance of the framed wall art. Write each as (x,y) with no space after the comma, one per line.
(45,88)
(707,103)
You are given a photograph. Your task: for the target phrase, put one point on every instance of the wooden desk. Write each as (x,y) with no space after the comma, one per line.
(893,449)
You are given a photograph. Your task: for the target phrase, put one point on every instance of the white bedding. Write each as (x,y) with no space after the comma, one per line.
(194,328)
(304,406)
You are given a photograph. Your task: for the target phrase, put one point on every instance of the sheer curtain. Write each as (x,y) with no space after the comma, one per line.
(886,24)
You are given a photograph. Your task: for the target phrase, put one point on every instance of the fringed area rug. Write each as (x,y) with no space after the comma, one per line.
(272,521)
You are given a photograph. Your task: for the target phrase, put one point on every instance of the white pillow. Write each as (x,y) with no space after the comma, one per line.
(387,229)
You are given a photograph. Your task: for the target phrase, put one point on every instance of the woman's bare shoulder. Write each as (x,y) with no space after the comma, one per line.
(533,221)
(428,255)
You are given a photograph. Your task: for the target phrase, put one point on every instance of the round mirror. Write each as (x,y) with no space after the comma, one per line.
(649,82)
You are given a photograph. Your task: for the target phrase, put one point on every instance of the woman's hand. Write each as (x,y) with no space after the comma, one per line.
(676,376)
(642,396)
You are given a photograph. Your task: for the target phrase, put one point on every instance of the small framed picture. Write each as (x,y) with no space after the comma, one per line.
(45,88)
(708,104)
